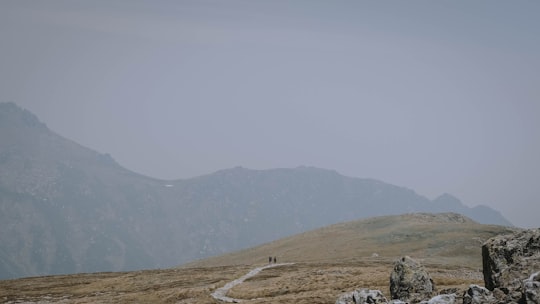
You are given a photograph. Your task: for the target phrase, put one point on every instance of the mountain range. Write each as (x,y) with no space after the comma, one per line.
(65,208)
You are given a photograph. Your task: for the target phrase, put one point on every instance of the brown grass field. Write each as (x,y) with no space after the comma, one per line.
(328,262)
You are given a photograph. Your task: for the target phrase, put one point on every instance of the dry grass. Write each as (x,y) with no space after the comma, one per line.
(311,283)
(298,283)
(431,238)
(150,286)
(328,262)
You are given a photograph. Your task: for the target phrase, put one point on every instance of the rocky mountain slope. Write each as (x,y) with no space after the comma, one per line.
(65,208)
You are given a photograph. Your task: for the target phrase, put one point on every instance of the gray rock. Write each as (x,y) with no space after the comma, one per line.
(409,281)
(499,294)
(441,299)
(368,296)
(508,260)
(531,289)
(478,295)
(346,298)
(362,296)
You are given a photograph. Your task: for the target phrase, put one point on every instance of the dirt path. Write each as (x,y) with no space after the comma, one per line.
(221,293)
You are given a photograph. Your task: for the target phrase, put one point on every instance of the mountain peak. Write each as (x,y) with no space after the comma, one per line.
(448,200)
(13,115)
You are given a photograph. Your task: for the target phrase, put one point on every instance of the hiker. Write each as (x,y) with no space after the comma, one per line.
(275,260)
(269,260)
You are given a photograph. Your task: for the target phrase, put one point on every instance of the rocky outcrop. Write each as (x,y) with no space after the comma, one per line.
(410,282)
(511,267)
(508,261)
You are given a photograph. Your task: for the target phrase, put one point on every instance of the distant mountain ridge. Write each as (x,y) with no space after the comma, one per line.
(65,208)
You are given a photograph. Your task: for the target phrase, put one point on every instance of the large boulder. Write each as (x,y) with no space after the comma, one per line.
(410,282)
(509,260)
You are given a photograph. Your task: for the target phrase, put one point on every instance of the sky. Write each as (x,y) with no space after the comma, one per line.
(436,96)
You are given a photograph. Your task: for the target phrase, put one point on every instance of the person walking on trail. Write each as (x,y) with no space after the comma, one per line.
(269,260)
(275,260)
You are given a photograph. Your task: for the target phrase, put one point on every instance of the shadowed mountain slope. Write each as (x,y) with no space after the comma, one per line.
(65,208)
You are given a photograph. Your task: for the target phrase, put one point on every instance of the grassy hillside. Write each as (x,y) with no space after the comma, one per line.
(327,262)
(443,239)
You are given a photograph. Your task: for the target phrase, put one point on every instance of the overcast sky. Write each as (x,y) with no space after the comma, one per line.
(436,96)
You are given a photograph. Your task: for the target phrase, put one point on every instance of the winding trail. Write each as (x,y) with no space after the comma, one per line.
(221,293)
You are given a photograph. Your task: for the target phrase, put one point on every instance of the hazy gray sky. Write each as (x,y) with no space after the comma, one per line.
(436,96)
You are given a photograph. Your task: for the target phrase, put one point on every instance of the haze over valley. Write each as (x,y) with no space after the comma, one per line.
(435,97)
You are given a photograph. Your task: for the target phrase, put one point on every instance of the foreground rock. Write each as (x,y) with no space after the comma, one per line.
(362,296)
(410,282)
(511,267)
(509,261)
(441,299)
(531,289)
(478,295)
